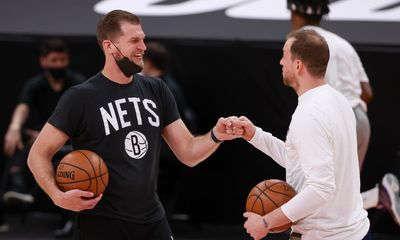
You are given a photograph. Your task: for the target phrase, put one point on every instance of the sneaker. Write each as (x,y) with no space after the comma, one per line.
(4,228)
(65,232)
(389,195)
(13,197)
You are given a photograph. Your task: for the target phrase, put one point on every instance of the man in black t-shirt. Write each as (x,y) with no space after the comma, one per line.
(40,94)
(121,116)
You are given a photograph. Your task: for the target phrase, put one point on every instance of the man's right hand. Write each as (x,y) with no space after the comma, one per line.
(245,126)
(76,200)
(12,141)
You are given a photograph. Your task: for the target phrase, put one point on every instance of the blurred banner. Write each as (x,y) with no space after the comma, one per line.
(360,21)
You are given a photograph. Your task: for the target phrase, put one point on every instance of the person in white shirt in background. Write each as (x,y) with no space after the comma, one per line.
(346,74)
(319,154)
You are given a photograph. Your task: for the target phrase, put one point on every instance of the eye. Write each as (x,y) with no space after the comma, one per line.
(135,40)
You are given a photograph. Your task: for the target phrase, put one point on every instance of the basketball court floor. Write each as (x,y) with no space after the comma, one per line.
(39,225)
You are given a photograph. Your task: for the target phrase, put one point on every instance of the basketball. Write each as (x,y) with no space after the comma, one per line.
(84,170)
(267,196)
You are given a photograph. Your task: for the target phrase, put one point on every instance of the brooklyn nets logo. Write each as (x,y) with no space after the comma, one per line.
(136,145)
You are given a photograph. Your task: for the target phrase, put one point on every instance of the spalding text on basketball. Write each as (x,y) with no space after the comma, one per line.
(66,174)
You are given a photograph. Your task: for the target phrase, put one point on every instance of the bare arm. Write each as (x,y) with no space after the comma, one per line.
(366,92)
(49,141)
(192,150)
(12,139)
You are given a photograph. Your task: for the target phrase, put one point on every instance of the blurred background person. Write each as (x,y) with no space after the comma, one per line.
(38,97)
(172,175)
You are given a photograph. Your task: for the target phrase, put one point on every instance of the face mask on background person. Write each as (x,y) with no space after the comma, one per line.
(127,67)
(57,73)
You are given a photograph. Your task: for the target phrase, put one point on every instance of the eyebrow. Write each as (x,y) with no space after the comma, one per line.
(135,38)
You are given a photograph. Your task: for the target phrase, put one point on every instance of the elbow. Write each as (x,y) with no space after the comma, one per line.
(188,162)
(188,159)
(367,98)
(327,191)
(191,161)
(366,93)
(191,164)
(330,191)
(30,162)
(33,156)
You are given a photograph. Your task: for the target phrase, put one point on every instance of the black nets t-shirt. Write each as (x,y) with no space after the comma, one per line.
(123,124)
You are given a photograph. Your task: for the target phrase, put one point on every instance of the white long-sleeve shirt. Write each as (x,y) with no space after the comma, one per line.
(320,158)
(345,71)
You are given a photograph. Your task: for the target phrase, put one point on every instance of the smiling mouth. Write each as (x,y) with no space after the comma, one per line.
(138,55)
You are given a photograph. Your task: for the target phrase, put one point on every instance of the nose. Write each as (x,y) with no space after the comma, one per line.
(60,63)
(142,46)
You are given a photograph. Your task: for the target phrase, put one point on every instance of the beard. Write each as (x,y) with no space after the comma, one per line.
(290,81)
(286,81)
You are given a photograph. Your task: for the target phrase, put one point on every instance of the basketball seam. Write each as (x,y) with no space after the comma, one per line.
(93,168)
(254,203)
(263,193)
(101,173)
(270,186)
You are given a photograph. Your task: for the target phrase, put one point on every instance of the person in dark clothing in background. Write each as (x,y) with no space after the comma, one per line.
(172,176)
(40,94)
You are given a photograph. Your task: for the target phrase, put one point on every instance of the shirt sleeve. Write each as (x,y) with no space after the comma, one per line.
(270,145)
(68,114)
(171,112)
(357,66)
(27,93)
(362,75)
(314,147)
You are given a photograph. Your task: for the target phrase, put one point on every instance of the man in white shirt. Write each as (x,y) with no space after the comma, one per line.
(346,74)
(345,71)
(319,154)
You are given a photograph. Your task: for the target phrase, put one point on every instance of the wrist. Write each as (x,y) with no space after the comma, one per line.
(214,138)
(14,128)
(265,223)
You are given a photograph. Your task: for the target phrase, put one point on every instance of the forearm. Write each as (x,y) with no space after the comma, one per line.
(270,145)
(49,141)
(275,219)
(303,204)
(19,117)
(198,149)
(42,169)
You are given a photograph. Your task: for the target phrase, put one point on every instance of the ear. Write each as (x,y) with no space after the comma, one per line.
(107,46)
(299,65)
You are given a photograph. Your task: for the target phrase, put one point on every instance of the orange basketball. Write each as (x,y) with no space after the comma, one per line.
(267,196)
(84,170)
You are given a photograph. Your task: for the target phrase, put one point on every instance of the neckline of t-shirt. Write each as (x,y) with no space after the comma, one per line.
(113,83)
(310,92)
